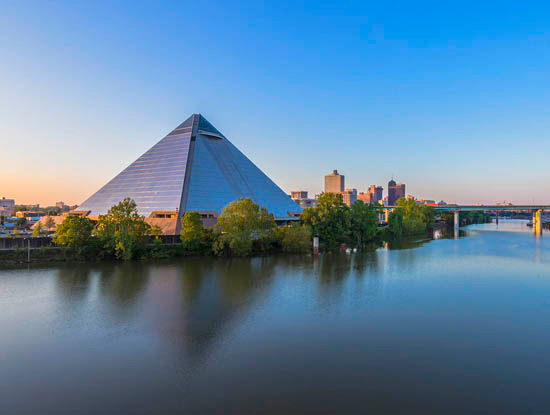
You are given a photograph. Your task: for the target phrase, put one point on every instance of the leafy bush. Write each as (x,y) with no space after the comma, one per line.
(194,236)
(74,232)
(122,230)
(411,217)
(242,226)
(329,220)
(295,238)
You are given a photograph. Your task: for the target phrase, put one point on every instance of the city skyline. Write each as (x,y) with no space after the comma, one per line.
(451,104)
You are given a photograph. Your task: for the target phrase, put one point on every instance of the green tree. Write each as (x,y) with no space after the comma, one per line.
(395,223)
(363,222)
(37,229)
(329,220)
(21,222)
(192,228)
(194,236)
(415,218)
(156,231)
(243,225)
(295,238)
(49,222)
(122,230)
(74,231)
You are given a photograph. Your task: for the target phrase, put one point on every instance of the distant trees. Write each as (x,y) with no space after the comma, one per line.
(335,223)
(410,218)
(466,218)
(37,229)
(21,222)
(49,223)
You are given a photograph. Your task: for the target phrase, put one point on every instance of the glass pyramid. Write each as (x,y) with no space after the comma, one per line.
(193,168)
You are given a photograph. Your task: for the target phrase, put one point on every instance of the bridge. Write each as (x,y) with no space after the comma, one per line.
(537,211)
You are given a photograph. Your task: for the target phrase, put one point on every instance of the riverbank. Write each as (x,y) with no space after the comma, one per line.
(17,257)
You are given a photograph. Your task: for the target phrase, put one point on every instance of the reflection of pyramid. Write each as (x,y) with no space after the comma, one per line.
(194,168)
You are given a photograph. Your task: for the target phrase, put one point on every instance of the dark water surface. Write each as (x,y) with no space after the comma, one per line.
(451,326)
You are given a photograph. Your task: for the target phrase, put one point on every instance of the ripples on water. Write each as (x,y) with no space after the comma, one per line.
(446,326)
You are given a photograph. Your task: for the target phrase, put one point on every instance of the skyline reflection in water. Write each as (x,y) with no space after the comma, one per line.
(441,326)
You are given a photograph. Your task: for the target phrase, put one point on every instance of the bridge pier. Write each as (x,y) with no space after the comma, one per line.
(386,215)
(537,222)
(457,223)
(497,217)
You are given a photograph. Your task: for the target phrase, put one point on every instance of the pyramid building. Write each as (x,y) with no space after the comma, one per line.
(193,168)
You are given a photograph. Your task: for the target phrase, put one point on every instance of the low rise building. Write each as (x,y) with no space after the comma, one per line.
(298,194)
(300,197)
(29,214)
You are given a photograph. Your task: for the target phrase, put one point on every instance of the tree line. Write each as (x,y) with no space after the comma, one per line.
(243,228)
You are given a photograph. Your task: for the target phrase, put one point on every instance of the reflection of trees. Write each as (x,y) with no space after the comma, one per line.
(239,277)
(365,261)
(406,243)
(122,282)
(333,268)
(215,292)
(73,282)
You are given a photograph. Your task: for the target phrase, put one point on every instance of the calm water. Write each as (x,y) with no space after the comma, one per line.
(451,326)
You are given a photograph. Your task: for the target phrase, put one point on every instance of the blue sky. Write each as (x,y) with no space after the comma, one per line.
(451,99)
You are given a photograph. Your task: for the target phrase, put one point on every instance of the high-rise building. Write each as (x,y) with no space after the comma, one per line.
(193,168)
(376,193)
(363,197)
(334,182)
(395,191)
(372,195)
(349,196)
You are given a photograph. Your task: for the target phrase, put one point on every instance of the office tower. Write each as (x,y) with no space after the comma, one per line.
(334,182)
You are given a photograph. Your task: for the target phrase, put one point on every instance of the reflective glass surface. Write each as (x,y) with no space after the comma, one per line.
(154,181)
(220,174)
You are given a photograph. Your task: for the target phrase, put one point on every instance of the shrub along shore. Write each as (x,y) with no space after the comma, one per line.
(243,229)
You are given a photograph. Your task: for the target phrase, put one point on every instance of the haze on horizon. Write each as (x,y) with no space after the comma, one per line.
(450,99)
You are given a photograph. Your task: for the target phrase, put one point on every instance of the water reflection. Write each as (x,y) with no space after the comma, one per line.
(123,282)
(326,333)
(73,282)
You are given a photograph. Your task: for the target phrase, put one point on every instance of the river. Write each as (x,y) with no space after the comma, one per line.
(443,326)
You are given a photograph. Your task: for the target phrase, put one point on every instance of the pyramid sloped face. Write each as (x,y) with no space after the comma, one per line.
(154,181)
(194,168)
(220,174)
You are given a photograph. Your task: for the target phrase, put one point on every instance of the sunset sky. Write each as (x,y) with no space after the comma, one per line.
(452,100)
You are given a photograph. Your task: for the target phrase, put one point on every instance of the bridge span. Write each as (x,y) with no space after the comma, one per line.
(537,211)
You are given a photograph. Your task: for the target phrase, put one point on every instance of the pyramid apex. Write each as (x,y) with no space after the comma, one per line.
(196,123)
